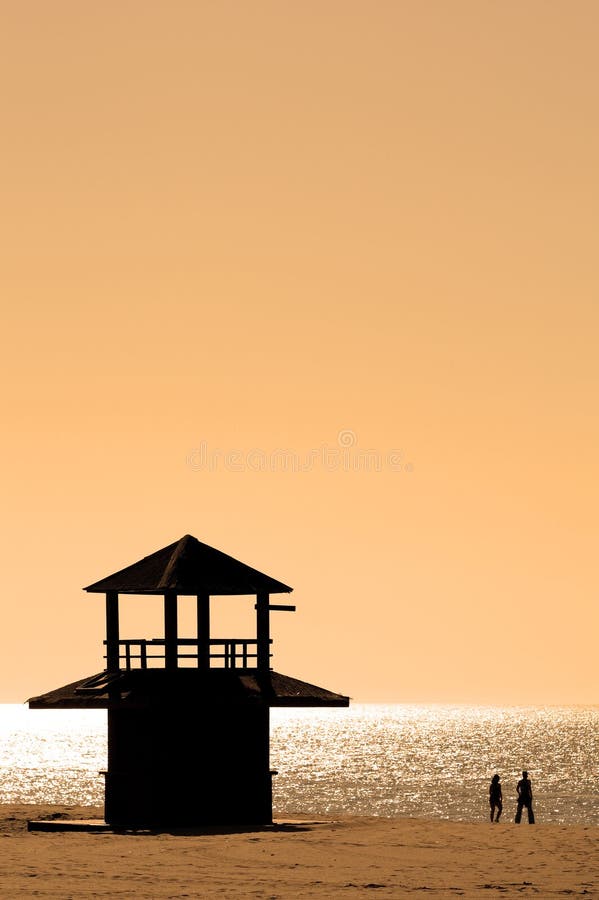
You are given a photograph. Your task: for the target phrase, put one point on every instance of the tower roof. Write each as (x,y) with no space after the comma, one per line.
(188,567)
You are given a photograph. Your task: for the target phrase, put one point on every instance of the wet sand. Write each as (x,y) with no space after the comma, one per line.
(348,857)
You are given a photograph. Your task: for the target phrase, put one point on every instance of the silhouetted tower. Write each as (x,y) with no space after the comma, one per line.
(188,718)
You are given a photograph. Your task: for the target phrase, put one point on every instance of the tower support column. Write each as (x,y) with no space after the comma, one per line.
(112,631)
(204,631)
(171,651)
(263,631)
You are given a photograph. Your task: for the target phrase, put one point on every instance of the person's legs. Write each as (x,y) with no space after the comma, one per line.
(531,815)
(499,811)
(518,813)
(492,811)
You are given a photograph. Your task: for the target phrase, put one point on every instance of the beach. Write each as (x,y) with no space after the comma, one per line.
(298,858)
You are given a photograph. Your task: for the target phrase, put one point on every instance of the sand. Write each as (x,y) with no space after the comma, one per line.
(349,857)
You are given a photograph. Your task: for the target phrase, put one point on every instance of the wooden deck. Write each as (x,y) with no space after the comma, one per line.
(99,826)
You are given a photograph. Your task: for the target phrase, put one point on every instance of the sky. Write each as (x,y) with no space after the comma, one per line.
(315,282)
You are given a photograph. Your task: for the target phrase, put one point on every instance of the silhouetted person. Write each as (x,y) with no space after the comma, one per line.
(495,798)
(524,799)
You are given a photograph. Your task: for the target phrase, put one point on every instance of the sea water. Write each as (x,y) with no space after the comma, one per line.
(371,759)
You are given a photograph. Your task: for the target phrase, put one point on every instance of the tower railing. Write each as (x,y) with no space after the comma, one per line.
(235,653)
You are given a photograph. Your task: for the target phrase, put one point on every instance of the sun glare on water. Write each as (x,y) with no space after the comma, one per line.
(386,760)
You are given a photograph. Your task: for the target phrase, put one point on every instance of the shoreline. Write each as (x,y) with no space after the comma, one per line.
(309,857)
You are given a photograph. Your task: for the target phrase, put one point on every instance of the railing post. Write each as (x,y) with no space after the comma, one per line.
(112,631)
(143,655)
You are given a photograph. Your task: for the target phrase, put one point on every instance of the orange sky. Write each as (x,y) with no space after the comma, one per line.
(251,226)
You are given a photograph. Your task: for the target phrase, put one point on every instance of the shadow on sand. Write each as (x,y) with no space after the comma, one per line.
(99,826)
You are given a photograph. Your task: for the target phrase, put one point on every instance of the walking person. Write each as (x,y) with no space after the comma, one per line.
(524,790)
(495,798)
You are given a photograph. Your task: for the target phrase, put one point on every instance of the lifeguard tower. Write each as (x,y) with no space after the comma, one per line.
(188,718)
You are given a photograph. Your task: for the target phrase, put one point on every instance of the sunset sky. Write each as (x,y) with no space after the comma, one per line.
(236,228)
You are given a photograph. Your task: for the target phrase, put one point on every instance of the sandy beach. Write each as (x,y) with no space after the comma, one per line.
(349,857)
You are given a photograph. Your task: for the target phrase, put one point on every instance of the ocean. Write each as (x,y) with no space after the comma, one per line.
(433,761)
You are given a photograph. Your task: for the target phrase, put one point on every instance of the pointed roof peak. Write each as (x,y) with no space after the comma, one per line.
(188,567)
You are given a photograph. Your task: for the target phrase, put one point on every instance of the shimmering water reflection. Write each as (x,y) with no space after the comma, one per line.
(52,756)
(396,760)
(436,761)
